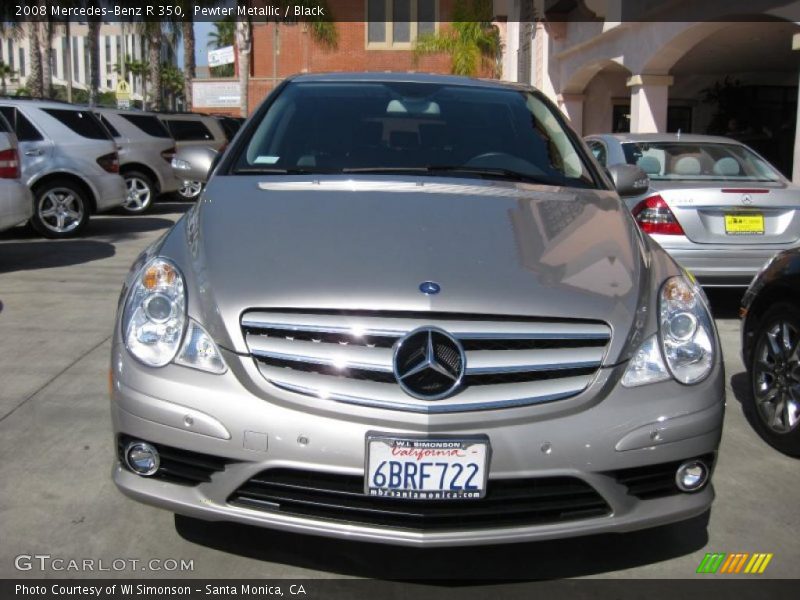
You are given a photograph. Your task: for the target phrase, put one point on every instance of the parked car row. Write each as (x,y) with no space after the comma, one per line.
(61,163)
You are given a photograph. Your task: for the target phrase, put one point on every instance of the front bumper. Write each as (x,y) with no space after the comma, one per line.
(218,415)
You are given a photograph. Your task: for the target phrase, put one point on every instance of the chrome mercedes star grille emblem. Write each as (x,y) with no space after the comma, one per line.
(429,363)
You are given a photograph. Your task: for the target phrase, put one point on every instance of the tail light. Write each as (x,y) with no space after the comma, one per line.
(168,154)
(654,216)
(109,162)
(9,164)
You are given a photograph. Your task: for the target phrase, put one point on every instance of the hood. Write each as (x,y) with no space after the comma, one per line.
(495,248)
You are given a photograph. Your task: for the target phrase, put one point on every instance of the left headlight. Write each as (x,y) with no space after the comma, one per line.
(684,348)
(154,318)
(687,334)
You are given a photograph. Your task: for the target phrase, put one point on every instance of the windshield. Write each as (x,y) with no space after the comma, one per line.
(698,161)
(396,127)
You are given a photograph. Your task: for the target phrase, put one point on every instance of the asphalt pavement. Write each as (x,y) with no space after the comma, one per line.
(57,306)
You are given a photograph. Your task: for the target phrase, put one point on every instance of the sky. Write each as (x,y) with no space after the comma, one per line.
(201,31)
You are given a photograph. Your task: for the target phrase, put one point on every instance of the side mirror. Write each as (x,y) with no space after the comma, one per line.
(629,180)
(193,164)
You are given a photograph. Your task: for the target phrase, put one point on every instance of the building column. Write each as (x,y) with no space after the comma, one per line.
(649,97)
(572,106)
(796,157)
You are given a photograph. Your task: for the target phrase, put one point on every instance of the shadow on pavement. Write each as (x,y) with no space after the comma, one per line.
(466,566)
(121,227)
(725,302)
(23,256)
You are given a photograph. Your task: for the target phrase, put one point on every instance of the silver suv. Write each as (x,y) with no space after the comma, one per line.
(146,150)
(69,162)
(411,309)
(194,130)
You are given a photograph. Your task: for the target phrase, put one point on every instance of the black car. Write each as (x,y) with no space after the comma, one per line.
(771,351)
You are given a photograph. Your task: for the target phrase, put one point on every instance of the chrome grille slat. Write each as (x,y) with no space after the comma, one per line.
(347,357)
(360,326)
(385,395)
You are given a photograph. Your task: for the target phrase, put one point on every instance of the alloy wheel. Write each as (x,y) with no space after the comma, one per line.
(61,210)
(139,194)
(776,377)
(190,189)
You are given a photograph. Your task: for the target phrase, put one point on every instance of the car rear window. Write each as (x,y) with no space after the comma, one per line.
(4,126)
(24,129)
(188,131)
(230,127)
(111,129)
(712,161)
(148,124)
(82,122)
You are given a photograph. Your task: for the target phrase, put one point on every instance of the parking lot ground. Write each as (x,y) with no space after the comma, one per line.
(57,307)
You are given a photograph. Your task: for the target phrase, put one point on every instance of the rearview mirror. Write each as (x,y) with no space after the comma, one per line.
(193,164)
(629,180)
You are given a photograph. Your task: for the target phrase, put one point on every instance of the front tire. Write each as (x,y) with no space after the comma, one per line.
(140,192)
(775,379)
(190,190)
(61,209)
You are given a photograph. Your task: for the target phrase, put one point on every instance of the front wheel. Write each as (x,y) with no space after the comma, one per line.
(775,376)
(61,209)
(190,190)
(140,192)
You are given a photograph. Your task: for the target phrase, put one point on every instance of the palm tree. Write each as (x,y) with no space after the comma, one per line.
(47,53)
(5,72)
(34,83)
(472,41)
(244,44)
(222,36)
(188,59)
(173,82)
(136,68)
(93,40)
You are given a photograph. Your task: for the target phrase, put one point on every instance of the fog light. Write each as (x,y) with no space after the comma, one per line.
(692,476)
(142,458)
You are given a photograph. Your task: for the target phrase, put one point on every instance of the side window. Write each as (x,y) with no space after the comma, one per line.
(24,129)
(599,151)
(4,126)
(189,131)
(107,124)
(148,124)
(82,122)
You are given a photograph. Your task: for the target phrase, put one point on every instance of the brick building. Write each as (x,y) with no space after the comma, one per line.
(368,39)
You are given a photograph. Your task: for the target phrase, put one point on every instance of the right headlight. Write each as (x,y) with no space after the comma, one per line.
(684,347)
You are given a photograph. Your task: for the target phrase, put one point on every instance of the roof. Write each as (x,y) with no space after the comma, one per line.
(667,137)
(375,76)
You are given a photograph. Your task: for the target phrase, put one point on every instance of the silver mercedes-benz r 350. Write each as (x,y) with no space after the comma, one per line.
(412,309)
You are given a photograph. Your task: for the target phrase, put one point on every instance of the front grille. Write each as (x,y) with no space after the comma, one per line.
(654,481)
(347,356)
(177,465)
(508,502)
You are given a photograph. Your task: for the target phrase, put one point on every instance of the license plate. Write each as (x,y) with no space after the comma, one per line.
(426,468)
(744,224)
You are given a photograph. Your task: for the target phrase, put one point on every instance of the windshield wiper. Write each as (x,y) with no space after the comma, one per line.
(492,172)
(279,171)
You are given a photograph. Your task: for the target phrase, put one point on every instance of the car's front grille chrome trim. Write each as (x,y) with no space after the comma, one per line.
(349,357)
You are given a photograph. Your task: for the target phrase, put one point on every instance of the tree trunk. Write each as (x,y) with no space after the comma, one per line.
(68,74)
(34,44)
(93,38)
(47,55)
(154,58)
(189,70)
(244,45)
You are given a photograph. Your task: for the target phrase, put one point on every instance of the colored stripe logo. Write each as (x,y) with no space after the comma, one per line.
(737,562)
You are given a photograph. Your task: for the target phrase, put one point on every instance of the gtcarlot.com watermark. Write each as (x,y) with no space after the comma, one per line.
(47,562)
